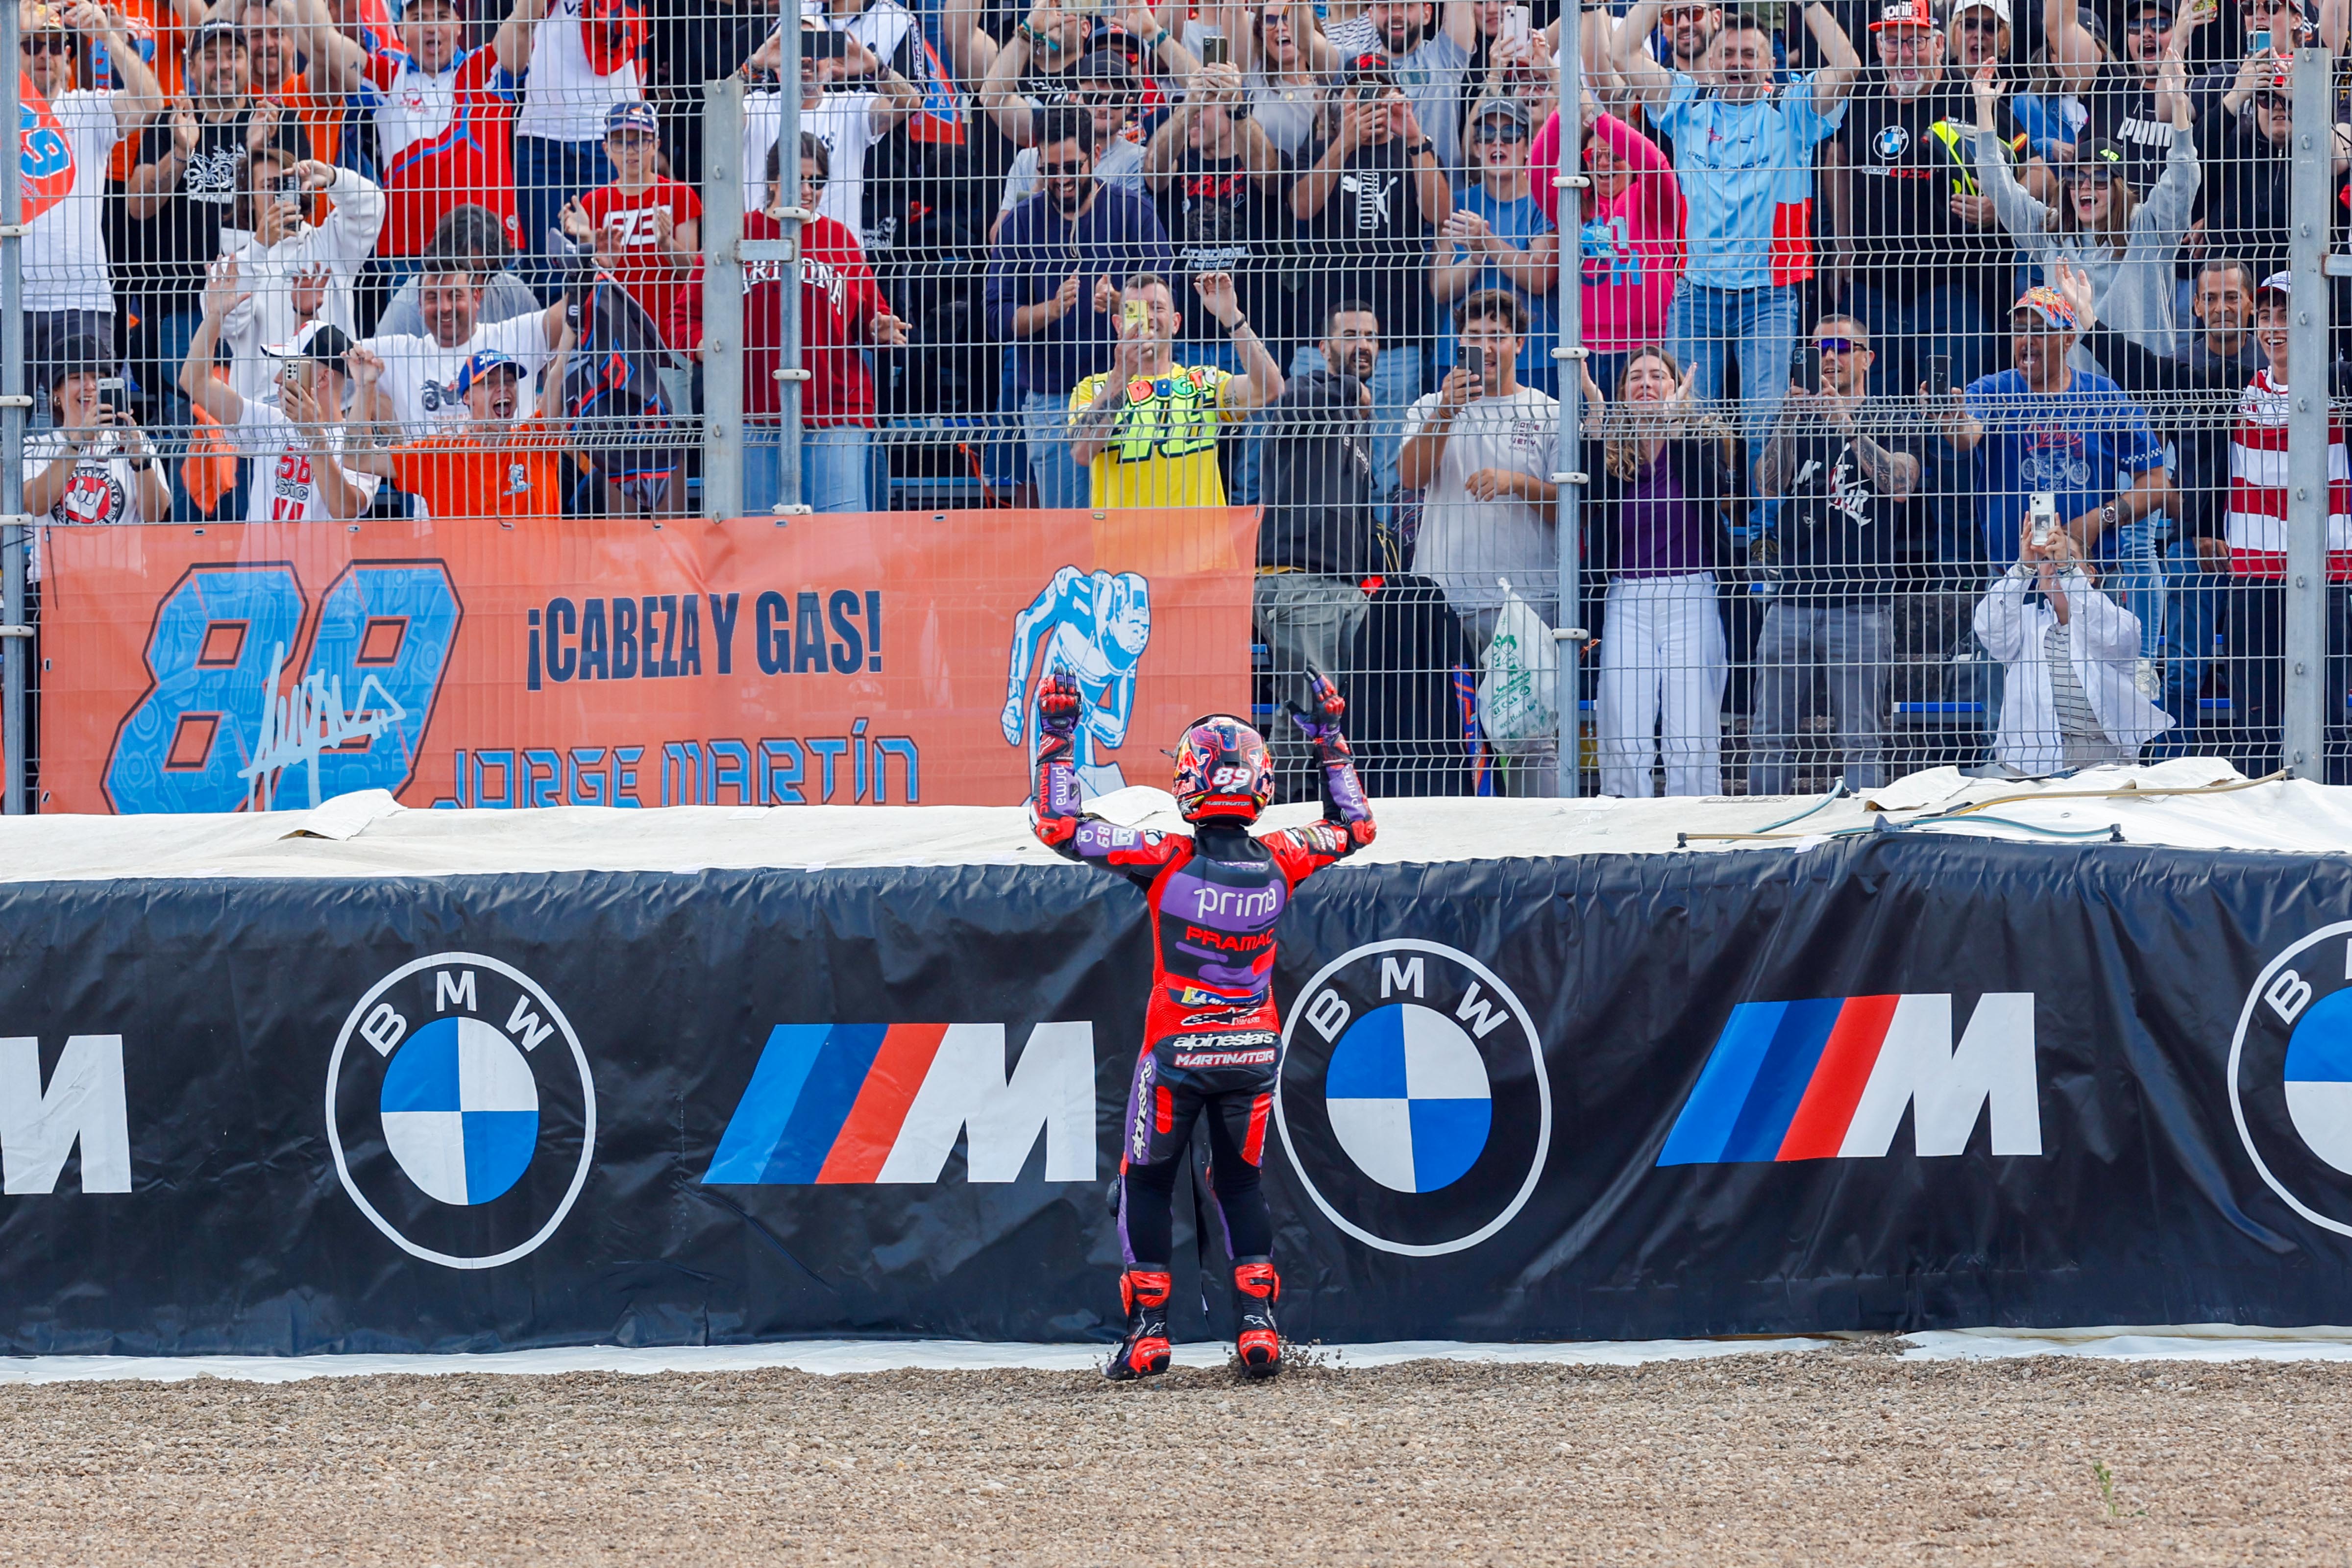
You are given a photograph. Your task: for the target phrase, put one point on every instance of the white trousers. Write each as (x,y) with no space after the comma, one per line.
(1661,666)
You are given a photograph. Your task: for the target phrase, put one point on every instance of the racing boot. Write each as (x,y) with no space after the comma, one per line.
(1257,1287)
(1144,1352)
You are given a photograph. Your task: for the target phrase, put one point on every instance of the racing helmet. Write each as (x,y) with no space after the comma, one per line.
(1223,771)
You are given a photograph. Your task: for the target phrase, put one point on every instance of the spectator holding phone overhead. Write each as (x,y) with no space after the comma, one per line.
(1287,65)
(848,119)
(296,272)
(2068,653)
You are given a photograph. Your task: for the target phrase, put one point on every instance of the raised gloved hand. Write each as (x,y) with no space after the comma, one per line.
(1057,705)
(1320,722)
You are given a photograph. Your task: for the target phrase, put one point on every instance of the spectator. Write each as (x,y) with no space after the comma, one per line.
(1148,429)
(68,286)
(1689,31)
(1850,472)
(2125,243)
(847,120)
(294,272)
(1369,200)
(2123,100)
(1049,295)
(1218,178)
(1631,225)
(646,229)
(582,60)
(2069,700)
(478,235)
(297,59)
(1482,446)
(1653,536)
(1032,69)
(93,465)
(1429,64)
(2243,200)
(2255,527)
(185,184)
(1105,88)
(1318,540)
(1744,149)
(420,373)
(883,28)
(443,117)
(496,462)
(2043,424)
(1496,239)
(1286,64)
(297,443)
(1904,189)
(688,44)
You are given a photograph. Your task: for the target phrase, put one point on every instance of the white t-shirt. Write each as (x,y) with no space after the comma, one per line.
(1121,164)
(420,376)
(562,100)
(844,123)
(64,247)
(104,488)
(283,490)
(1467,545)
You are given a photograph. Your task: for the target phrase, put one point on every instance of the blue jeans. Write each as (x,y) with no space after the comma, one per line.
(1396,382)
(1045,416)
(764,469)
(2132,572)
(2191,619)
(547,175)
(1762,324)
(835,468)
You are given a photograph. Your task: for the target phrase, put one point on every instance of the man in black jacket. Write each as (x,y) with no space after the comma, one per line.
(1316,541)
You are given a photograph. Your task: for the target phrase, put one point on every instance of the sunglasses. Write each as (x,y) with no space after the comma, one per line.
(2089,177)
(1501,131)
(1062,170)
(2271,99)
(2148,25)
(1973,24)
(1839,346)
(46,44)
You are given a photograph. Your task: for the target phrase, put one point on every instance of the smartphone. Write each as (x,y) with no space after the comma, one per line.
(1474,360)
(1215,50)
(824,45)
(1134,319)
(1519,24)
(110,399)
(2044,512)
(1939,374)
(1809,368)
(2258,42)
(290,188)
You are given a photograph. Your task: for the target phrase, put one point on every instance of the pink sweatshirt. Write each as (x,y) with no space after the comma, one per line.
(1632,245)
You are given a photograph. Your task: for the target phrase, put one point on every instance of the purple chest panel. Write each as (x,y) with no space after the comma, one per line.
(1216,921)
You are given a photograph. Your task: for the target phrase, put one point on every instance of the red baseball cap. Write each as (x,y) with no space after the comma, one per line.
(1905,14)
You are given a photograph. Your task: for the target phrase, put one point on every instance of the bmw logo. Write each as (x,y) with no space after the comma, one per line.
(460,1110)
(1891,143)
(2291,1077)
(1414,1103)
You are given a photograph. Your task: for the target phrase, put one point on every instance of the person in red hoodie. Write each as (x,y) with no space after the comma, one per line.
(843,313)
(647,228)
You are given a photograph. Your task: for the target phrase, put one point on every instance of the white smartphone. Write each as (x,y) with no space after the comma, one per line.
(2044,512)
(1519,24)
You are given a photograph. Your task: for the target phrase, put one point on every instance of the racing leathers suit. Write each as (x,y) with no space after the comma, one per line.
(1212,1037)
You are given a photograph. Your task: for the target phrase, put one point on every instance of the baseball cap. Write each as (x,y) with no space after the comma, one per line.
(483,363)
(634,115)
(1905,14)
(2098,156)
(1372,64)
(80,354)
(2279,283)
(2050,306)
(321,342)
(2165,7)
(1999,8)
(1510,109)
(1100,65)
(211,32)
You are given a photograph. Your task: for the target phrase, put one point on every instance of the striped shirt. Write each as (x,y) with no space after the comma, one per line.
(2082,739)
(2256,525)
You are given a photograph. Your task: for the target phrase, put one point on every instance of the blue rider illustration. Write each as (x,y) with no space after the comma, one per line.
(1092,627)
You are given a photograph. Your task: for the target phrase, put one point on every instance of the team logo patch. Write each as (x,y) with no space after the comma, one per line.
(1891,143)
(461,1111)
(2291,1077)
(1413,1099)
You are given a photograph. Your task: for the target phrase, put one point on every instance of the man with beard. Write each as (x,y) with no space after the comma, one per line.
(181,192)
(1689,30)
(1903,191)
(1052,290)
(1744,150)
(1429,64)
(420,374)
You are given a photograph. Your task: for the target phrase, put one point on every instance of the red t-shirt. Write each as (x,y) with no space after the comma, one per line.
(838,298)
(652,278)
(445,141)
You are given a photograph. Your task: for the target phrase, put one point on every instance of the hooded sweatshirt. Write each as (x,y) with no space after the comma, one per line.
(338,248)
(1317,483)
(1633,242)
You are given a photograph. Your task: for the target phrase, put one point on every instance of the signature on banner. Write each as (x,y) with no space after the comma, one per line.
(309,720)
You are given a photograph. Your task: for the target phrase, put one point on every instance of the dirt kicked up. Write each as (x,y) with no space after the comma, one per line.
(1842,1455)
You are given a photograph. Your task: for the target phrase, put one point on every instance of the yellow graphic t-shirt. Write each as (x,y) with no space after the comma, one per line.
(1164,451)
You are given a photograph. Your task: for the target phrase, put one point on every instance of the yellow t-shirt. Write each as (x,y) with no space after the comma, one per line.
(1165,453)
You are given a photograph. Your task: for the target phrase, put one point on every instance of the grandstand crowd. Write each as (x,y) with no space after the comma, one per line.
(1881,301)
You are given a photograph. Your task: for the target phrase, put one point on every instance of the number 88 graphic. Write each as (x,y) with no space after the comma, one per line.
(183,745)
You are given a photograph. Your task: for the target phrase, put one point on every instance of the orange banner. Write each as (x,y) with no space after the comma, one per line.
(884,658)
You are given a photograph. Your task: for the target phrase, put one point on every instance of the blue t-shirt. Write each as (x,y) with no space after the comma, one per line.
(1747,172)
(1519,222)
(2077,443)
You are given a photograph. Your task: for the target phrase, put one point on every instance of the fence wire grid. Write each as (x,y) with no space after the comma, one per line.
(1915,392)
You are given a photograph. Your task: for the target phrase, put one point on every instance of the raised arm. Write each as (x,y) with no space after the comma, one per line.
(2075,54)
(512,42)
(1057,815)
(141,96)
(1841,69)
(206,391)
(1347,825)
(1645,80)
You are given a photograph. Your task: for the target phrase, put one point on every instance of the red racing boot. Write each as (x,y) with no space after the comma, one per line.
(1257,1287)
(1144,1352)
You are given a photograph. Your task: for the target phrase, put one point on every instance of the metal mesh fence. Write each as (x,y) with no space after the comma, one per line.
(1925,360)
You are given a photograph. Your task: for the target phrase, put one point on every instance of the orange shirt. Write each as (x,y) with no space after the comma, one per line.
(321,116)
(155,28)
(515,473)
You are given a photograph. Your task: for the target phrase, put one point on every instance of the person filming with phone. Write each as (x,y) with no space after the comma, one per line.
(95,465)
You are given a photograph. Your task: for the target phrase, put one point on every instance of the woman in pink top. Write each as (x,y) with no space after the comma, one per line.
(1633,234)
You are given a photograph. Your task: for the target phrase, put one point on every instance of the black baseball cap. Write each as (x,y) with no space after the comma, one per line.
(213,31)
(80,354)
(324,343)
(1371,65)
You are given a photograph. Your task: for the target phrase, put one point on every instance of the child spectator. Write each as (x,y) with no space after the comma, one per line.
(498,462)
(582,60)
(645,228)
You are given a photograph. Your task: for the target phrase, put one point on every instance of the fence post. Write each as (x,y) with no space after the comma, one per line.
(2309,703)
(722,298)
(15,538)
(788,169)
(1568,188)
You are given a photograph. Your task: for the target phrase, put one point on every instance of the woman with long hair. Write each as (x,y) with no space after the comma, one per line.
(1653,532)
(1287,65)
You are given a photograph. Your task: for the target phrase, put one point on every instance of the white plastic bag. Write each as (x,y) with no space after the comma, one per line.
(1516,689)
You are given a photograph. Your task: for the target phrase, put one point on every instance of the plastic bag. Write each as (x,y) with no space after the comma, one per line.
(1515,691)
